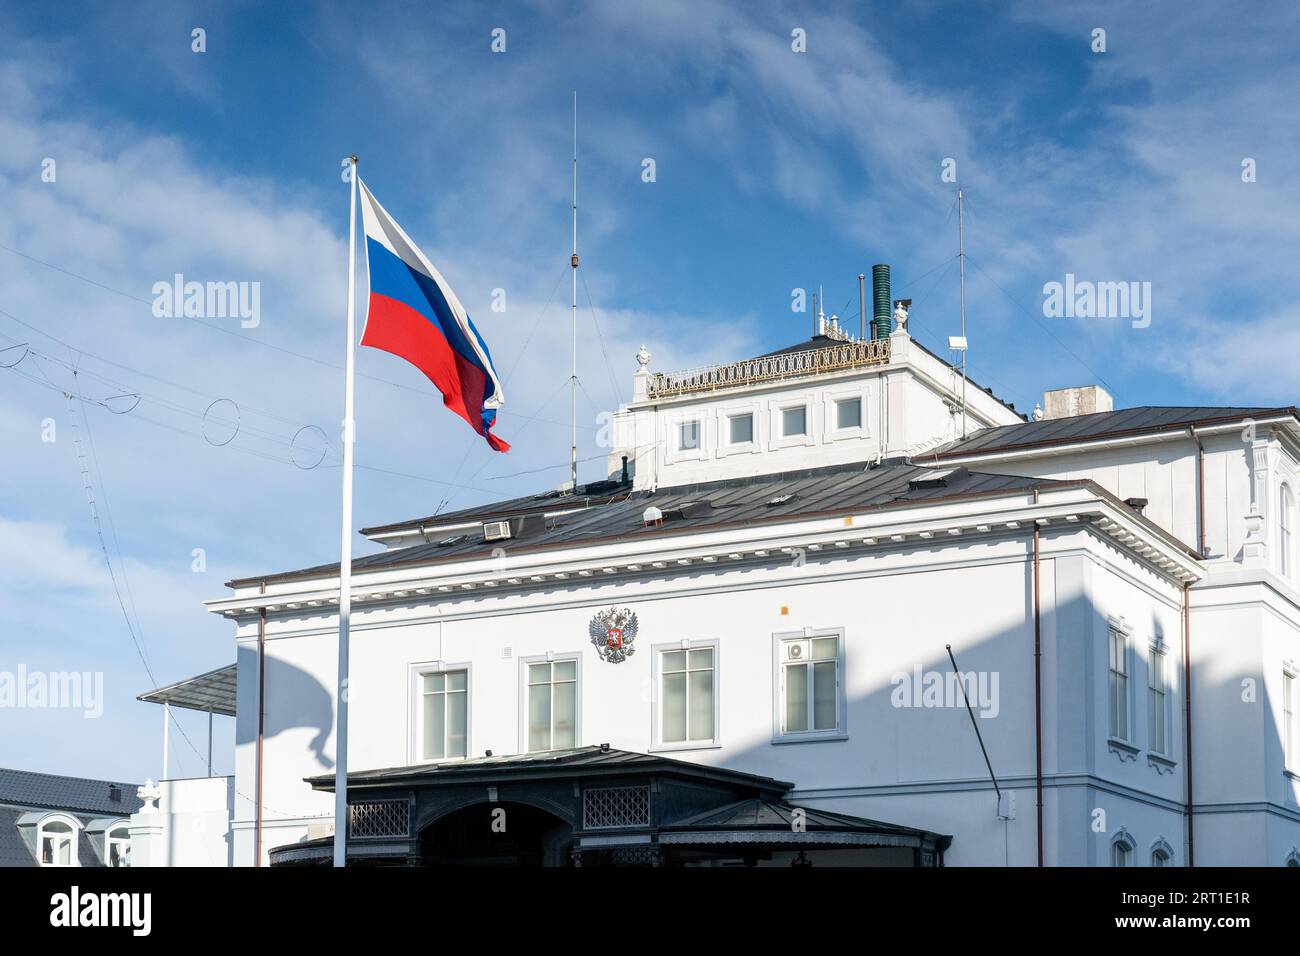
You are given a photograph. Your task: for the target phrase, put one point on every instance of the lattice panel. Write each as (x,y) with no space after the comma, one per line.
(616,807)
(635,856)
(380,818)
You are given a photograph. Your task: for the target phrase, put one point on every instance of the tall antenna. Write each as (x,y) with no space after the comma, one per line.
(573,261)
(961,268)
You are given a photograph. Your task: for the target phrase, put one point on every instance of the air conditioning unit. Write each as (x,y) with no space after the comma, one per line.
(496,530)
(796,650)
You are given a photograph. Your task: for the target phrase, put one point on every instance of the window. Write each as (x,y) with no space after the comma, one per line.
(740,429)
(1157,712)
(688,436)
(1286,524)
(809,683)
(794,421)
(848,413)
(446,714)
(688,695)
(552,705)
(1161,854)
(1290,758)
(1118,684)
(58,843)
(1121,854)
(118,843)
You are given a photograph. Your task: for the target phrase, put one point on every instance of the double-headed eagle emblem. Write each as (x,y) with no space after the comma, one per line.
(613,631)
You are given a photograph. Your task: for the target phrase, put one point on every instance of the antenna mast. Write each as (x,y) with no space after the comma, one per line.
(573,261)
(961,268)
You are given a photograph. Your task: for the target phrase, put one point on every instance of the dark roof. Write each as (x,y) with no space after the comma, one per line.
(1145,419)
(597,492)
(45,791)
(817,492)
(758,814)
(577,761)
(214,690)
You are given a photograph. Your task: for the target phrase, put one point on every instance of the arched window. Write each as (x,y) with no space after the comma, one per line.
(1286,527)
(57,839)
(1121,851)
(118,846)
(1162,854)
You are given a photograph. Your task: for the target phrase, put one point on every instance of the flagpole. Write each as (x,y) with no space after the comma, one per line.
(345,550)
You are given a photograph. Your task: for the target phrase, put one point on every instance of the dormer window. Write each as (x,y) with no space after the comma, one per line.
(58,842)
(688,436)
(740,429)
(794,421)
(118,846)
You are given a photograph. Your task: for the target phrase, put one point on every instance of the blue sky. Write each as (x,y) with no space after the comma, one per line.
(775,170)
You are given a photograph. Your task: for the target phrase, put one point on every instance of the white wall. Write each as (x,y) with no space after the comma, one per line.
(918,766)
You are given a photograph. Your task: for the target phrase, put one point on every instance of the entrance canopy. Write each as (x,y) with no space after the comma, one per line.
(598,806)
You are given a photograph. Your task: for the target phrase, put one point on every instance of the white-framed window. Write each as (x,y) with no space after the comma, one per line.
(688,436)
(117,846)
(794,421)
(740,429)
(686,695)
(848,413)
(551,702)
(442,714)
(1118,725)
(808,697)
(1286,529)
(1157,702)
(1121,851)
(57,839)
(1290,732)
(1162,854)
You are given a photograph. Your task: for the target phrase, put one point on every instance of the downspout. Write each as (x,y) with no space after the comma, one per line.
(1187,713)
(261,726)
(1038,690)
(1200,493)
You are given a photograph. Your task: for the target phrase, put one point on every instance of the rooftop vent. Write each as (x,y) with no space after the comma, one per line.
(780,500)
(652,516)
(496,530)
(454,539)
(114,793)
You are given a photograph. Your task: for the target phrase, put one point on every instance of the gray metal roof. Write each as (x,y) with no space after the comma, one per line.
(702,507)
(1145,419)
(213,691)
(593,760)
(44,791)
(745,820)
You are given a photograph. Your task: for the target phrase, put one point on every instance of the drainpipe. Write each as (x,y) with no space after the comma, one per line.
(261,726)
(1038,690)
(1187,713)
(1200,493)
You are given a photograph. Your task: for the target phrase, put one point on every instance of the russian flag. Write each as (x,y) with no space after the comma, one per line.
(413,314)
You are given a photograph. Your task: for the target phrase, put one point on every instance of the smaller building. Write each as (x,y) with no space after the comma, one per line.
(46,820)
(598,806)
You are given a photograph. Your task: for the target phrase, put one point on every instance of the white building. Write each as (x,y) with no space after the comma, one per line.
(735,650)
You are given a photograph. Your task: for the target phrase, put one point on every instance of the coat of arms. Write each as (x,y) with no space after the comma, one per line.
(613,631)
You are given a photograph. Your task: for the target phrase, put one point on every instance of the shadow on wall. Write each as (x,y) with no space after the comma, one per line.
(293,699)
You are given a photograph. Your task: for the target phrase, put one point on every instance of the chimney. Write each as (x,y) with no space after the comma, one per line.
(1072,402)
(882,322)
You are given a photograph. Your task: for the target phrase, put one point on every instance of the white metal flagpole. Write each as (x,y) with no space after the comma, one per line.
(345,550)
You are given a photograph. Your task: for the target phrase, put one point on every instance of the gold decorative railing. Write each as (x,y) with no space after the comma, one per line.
(772,368)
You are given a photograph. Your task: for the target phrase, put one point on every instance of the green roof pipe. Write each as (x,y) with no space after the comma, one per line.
(882,322)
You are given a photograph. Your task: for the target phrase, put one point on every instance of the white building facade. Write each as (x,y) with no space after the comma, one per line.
(803,593)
